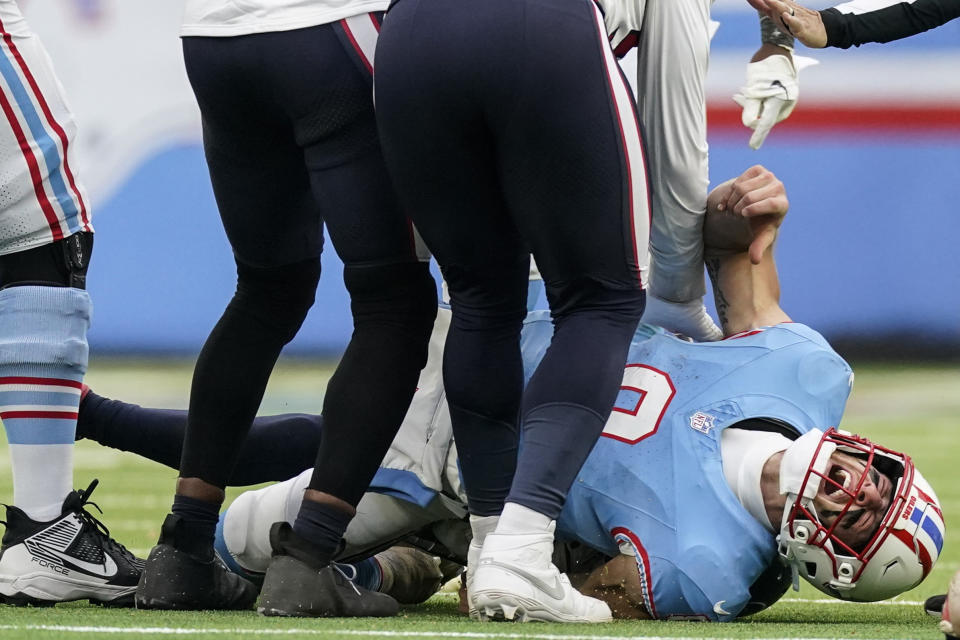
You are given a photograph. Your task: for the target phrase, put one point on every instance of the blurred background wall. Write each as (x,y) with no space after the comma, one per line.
(871,160)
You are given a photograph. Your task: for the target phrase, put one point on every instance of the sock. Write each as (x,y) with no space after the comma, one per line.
(323,526)
(480,526)
(369,574)
(519,519)
(197,527)
(43,357)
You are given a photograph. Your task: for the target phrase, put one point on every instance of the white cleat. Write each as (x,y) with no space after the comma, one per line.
(515,579)
(473,559)
(71,557)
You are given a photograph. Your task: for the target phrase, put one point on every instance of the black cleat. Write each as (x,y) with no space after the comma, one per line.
(297,585)
(175,579)
(70,558)
(933,605)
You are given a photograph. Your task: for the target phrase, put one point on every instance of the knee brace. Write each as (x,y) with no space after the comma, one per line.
(277,297)
(59,264)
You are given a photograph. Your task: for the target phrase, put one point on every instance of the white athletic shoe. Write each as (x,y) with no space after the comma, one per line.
(515,579)
(69,558)
(473,561)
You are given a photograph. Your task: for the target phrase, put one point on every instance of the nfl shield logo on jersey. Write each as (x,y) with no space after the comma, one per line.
(702,422)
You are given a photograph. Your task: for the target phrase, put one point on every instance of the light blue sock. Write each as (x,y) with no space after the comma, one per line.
(43,358)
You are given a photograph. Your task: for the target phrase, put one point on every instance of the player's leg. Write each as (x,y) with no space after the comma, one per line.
(673,55)
(325,105)
(44,317)
(276,447)
(45,242)
(589,236)
(442,157)
(446,152)
(574,178)
(263,195)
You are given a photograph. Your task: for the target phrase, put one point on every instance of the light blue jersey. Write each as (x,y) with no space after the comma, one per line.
(655,480)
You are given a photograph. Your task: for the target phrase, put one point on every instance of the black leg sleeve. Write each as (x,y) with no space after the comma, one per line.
(232,370)
(394,307)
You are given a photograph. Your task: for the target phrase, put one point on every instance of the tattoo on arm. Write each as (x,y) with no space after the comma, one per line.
(720,299)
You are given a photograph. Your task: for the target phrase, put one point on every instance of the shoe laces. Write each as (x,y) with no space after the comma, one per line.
(339,568)
(79,506)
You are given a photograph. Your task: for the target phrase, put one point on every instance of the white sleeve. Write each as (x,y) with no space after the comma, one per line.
(671,71)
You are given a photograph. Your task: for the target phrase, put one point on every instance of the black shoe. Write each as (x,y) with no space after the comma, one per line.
(298,585)
(934,605)
(69,558)
(175,579)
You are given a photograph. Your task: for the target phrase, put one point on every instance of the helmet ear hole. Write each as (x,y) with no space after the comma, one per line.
(811,569)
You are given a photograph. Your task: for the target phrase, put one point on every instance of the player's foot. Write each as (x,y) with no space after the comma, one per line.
(70,558)
(175,579)
(515,579)
(409,575)
(296,585)
(473,561)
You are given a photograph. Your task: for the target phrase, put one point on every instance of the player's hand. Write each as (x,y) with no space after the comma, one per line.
(688,318)
(769,95)
(759,196)
(804,24)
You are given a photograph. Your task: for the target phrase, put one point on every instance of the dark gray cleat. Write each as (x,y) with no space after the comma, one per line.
(298,585)
(174,579)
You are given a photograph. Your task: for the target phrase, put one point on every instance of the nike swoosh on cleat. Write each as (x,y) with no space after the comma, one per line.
(555,590)
(106,570)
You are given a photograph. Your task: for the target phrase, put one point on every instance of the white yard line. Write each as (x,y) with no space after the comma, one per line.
(894,603)
(344,632)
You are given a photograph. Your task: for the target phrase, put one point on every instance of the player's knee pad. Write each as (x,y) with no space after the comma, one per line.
(588,296)
(278,297)
(62,263)
(398,298)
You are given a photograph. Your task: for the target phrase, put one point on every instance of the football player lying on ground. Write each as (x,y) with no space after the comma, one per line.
(718,474)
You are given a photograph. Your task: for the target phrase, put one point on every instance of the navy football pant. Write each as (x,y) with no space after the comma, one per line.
(508,128)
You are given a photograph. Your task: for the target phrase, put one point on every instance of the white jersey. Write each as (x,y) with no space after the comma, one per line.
(41,198)
(241,17)
(623,20)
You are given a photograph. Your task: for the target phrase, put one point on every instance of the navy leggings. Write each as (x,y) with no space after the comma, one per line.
(508,129)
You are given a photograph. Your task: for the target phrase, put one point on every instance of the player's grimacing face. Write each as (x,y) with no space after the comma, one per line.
(870,503)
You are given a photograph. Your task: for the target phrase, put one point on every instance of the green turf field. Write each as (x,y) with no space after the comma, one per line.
(910,408)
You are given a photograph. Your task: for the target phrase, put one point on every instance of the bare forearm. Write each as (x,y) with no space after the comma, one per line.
(746,295)
(746,290)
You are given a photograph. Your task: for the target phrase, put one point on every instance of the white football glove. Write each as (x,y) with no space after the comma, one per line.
(688,318)
(769,96)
